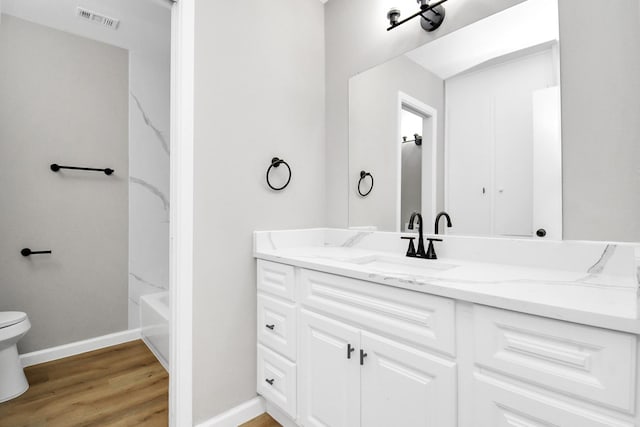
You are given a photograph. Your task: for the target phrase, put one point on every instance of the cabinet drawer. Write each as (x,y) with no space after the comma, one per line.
(421,319)
(582,361)
(277,325)
(277,279)
(277,380)
(499,403)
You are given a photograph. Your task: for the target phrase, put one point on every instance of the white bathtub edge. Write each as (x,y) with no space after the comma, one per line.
(156,353)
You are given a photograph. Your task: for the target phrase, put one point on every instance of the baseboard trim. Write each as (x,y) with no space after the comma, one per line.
(238,415)
(72,349)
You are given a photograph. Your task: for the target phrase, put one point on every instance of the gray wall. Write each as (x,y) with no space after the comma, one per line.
(373,109)
(259,84)
(63,99)
(600,97)
(600,120)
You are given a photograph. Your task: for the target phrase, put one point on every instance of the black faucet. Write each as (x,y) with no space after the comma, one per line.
(420,253)
(440,215)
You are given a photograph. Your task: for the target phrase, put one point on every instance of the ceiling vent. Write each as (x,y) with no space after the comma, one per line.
(97,18)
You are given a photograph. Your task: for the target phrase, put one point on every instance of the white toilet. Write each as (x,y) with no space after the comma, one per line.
(13,326)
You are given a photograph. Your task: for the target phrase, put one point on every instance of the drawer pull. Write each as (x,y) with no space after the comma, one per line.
(272,327)
(350,350)
(270,381)
(362,356)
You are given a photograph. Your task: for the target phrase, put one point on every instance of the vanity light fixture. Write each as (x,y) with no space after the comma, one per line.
(432,16)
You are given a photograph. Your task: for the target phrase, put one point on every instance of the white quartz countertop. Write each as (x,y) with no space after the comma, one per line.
(587,297)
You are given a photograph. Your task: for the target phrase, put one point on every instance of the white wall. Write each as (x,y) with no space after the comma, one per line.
(600,126)
(63,99)
(373,112)
(259,85)
(600,98)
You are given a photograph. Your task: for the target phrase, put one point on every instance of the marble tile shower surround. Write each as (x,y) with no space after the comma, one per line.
(149,192)
(591,282)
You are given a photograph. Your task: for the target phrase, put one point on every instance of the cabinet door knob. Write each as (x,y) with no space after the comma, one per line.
(350,350)
(541,232)
(362,356)
(272,327)
(270,381)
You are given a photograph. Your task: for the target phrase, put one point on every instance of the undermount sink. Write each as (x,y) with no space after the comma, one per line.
(402,265)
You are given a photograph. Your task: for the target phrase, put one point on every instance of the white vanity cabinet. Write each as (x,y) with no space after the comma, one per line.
(341,352)
(277,336)
(329,372)
(403,386)
(350,377)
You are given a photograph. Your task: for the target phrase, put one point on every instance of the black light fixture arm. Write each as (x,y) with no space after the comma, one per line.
(422,13)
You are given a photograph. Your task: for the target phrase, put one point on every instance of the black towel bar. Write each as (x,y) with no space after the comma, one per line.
(56,167)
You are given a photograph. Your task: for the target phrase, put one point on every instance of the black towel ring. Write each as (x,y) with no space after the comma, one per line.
(276,162)
(363,175)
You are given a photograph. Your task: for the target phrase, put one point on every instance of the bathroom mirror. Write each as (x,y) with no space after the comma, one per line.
(469,123)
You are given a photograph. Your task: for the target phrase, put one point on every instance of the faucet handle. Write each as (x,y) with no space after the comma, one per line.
(431,251)
(411,251)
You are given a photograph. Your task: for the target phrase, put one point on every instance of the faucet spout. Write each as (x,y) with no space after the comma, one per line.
(440,215)
(420,252)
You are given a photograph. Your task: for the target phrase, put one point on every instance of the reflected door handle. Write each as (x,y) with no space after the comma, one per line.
(272,327)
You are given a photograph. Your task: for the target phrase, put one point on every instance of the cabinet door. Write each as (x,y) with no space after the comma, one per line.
(402,386)
(329,375)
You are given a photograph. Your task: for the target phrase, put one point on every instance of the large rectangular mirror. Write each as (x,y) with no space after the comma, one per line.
(469,124)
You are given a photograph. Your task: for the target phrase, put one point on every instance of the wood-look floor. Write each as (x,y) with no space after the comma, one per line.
(263,420)
(122,385)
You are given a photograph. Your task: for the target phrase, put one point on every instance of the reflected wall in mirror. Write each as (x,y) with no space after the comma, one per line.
(469,123)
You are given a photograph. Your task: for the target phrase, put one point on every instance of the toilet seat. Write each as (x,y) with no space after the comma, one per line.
(10,318)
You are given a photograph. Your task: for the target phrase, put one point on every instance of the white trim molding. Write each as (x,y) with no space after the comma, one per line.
(79,347)
(238,415)
(181,213)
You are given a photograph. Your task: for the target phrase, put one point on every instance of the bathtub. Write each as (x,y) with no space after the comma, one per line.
(154,323)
